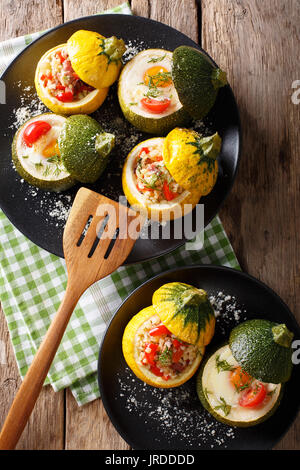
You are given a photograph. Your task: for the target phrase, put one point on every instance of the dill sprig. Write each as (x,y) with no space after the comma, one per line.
(223,365)
(223,406)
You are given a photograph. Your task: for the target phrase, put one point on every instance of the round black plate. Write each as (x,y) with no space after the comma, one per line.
(41,215)
(150,418)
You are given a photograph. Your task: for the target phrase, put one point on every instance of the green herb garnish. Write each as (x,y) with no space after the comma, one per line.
(223,365)
(156,59)
(38,166)
(165,357)
(223,406)
(54,159)
(206,392)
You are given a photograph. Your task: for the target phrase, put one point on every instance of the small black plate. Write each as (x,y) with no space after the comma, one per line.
(41,215)
(150,418)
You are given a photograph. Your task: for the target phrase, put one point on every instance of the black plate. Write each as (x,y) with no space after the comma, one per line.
(37,214)
(150,418)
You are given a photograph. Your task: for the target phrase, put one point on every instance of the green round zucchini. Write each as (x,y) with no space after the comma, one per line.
(263,349)
(196,80)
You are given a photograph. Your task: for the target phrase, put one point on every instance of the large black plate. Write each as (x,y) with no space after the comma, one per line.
(38,214)
(149,418)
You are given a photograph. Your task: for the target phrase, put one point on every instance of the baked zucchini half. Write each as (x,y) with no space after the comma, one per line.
(36,155)
(147,95)
(232,396)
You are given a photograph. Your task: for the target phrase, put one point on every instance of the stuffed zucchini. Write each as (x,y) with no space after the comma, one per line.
(156,355)
(164,343)
(167,176)
(74,77)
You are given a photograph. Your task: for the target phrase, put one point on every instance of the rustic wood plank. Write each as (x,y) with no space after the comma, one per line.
(180,14)
(88,427)
(76,8)
(45,429)
(257,43)
(27,16)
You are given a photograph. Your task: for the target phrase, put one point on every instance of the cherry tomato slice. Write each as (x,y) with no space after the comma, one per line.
(159,330)
(34,131)
(253,396)
(169,195)
(65,96)
(155,106)
(149,356)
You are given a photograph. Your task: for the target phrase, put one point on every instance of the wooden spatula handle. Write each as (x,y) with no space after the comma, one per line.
(31,386)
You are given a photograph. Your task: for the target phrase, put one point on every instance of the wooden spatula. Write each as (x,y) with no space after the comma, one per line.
(98,237)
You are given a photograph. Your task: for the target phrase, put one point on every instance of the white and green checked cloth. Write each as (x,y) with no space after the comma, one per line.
(33,281)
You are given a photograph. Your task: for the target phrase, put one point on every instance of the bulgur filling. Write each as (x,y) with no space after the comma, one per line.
(153,180)
(61,81)
(161,352)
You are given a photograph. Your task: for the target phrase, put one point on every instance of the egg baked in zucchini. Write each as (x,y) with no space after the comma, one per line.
(74,77)
(36,154)
(147,95)
(241,383)
(149,180)
(160,348)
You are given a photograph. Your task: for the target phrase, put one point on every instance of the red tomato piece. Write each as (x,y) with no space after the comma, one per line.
(176,343)
(253,396)
(149,356)
(169,195)
(61,57)
(65,96)
(59,86)
(159,331)
(155,106)
(177,355)
(155,370)
(34,131)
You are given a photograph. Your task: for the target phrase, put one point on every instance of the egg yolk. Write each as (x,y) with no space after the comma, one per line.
(51,149)
(155,76)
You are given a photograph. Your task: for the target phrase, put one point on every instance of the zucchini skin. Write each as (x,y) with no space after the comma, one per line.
(253,346)
(77,147)
(192,77)
(222,419)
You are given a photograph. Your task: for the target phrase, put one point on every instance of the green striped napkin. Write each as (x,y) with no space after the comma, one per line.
(33,281)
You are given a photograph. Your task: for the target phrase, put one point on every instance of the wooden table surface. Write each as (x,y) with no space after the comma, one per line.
(258,43)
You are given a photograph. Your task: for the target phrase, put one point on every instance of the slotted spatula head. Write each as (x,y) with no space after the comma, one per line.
(98,237)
